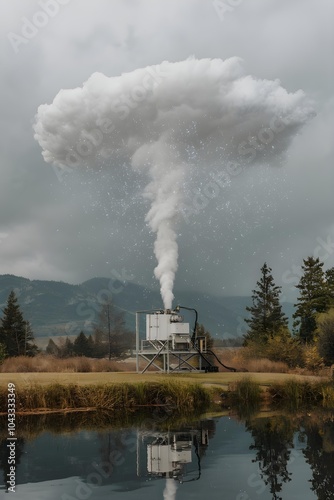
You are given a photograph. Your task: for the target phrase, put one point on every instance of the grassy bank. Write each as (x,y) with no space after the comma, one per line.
(297,394)
(291,394)
(177,396)
(181,393)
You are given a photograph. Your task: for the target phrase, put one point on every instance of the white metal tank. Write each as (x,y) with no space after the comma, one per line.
(163,326)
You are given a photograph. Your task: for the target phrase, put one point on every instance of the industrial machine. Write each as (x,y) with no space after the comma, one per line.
(170,345)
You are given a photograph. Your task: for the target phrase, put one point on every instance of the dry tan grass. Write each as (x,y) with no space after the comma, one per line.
(266,366)
(235,358)
(44,363)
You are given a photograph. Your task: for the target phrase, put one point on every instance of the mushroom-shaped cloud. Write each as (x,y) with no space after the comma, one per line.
(169,121)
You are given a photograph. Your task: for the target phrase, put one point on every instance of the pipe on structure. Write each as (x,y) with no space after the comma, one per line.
(163,332)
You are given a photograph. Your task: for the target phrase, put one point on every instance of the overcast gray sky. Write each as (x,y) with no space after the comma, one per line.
(73,226)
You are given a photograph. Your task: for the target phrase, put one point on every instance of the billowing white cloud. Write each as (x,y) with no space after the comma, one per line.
(168,120)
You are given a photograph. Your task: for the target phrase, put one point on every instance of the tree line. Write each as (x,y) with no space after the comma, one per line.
(312,338)
(310,343)
(110,337)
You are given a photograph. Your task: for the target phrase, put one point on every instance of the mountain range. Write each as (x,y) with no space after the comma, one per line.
(56,308)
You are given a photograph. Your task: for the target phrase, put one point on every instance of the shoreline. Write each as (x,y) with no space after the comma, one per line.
(46,393)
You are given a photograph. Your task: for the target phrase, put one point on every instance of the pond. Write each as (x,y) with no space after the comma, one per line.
(265,456)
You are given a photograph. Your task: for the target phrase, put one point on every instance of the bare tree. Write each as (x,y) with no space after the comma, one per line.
(111,334)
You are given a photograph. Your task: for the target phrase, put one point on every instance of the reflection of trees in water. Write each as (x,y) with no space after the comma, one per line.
(113,446)
(272,439)
(4,455)
(319,454)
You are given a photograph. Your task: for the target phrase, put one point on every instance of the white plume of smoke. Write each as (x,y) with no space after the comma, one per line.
(170,489)
(165,193)
(153,117)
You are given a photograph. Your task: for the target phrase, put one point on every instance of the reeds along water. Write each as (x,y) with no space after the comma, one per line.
(246,397)
(246,390)
(296,394)
(180,396)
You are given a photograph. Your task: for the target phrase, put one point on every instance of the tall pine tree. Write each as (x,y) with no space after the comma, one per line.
(329,275)
(314,297)
(80,345)
(52,349)
(16,333)
(266,315)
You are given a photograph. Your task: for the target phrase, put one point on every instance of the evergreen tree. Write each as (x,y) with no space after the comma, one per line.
(314,298)
(16,333)
(202,332)
(329,276)
(80,345)
(66,348)
(3,353)
(319,454)
(30,348)
(325,331)
(267,317)
(69,348)
(90,346)
(52,348)
(273,440)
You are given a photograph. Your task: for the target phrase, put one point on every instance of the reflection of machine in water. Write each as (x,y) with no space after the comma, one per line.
(169,453)
(176,455)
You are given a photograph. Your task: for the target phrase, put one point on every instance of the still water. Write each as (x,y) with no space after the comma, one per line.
(268,456)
